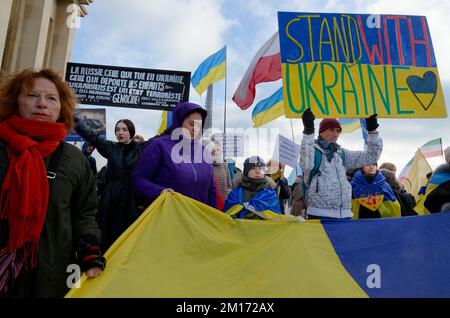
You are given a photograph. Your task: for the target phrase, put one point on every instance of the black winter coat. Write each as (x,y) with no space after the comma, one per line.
(283,192)
(70,216)
(117,206)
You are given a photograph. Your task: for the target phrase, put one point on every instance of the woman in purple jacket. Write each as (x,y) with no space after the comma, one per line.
(177,161)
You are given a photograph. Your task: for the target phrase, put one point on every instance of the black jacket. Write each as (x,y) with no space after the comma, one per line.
(407,202)
(70,216)
(118,207)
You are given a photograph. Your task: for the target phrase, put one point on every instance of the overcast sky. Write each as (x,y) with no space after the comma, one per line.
(180,34)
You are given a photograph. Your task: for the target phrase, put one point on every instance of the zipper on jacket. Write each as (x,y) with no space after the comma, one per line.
(317,183)
(195,172)
(340,186)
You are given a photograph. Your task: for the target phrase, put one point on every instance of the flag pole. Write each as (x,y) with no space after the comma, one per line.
(225,98)
(209,108)
(293,140)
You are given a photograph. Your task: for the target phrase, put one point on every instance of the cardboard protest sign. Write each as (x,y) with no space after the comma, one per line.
(128,87)
(355,65)
(286,151)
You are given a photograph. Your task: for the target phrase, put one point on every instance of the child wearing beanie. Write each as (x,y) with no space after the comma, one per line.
(254,194)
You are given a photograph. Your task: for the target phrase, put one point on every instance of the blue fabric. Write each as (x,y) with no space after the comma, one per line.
(264,200)
(364,131)
(422,190)
(231,168)
(361,189)
(83,149)
(412,252)
(439,177)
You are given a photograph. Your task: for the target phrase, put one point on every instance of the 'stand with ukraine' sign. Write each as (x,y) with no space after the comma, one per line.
(354,65)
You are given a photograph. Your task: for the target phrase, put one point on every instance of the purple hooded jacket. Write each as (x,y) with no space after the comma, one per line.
(157,171)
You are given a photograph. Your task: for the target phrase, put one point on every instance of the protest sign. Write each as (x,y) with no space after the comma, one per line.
(355,65)
(286,151)
(128,87)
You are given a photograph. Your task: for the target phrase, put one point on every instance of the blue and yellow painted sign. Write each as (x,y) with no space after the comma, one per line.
(354,65)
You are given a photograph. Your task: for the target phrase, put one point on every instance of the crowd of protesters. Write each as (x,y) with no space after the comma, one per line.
(68,212)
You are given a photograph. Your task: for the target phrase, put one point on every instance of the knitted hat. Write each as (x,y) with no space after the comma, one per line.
(252,162)
(329,123)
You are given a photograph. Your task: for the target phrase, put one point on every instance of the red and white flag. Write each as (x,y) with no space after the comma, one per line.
(265,67)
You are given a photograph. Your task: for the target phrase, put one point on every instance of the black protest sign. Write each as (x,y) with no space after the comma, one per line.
(128,87)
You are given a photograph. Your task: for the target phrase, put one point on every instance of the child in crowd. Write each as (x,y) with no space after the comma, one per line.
(255,195)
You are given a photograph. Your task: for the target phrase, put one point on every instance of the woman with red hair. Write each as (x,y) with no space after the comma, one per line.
(47,198)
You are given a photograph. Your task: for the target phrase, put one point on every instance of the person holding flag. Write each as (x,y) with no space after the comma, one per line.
(372,196)
(438,189)
(177,161)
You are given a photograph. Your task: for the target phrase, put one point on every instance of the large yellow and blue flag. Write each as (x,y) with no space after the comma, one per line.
(268,109)
(182,248)
(210,71)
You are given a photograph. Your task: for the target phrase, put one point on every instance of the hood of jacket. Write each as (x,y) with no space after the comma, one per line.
(84,147)
(182,110)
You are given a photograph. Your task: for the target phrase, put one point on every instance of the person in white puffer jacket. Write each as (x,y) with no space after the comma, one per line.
(324,164)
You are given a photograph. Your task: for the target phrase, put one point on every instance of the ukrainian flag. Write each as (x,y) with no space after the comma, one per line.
(436,180)
(210,71)
(208,254)
(166,122)
(349,124)
(375,196)
(268,109)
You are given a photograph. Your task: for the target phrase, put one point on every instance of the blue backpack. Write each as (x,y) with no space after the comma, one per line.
(315,169)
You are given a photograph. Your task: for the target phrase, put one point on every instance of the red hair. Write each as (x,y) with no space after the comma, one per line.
(12,86)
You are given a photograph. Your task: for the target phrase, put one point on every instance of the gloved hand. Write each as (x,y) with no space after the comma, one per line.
(88,254)
(308,122)
(372,123)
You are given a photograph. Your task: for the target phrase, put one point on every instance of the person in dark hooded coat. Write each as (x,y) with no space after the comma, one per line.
(118,207)
(87,150)
(177,161)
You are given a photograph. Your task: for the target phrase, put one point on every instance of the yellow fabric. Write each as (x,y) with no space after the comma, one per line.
(372,202)
(416,176)
(420,207)
(182,248)
(163,124)
(266,214)
(346,129)
(387,209)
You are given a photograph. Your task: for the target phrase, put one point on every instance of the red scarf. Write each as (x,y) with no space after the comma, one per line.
(24,192)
